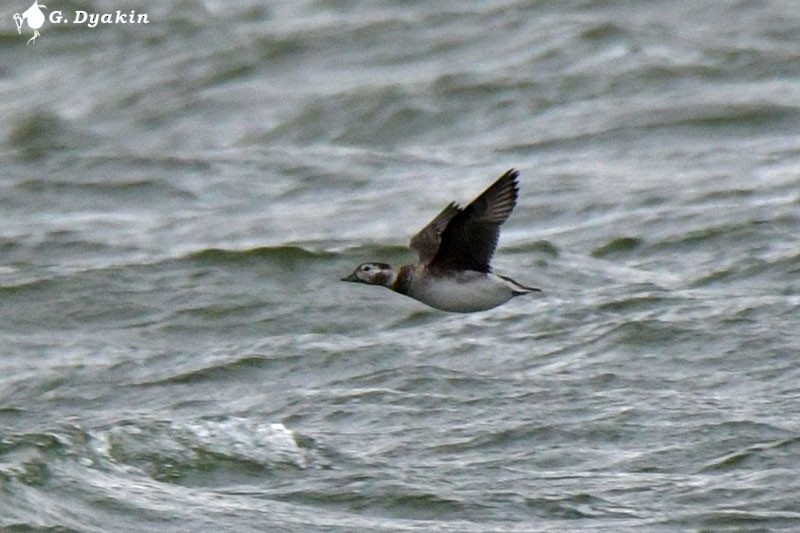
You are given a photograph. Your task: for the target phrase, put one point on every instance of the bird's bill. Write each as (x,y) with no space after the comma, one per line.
(352,277)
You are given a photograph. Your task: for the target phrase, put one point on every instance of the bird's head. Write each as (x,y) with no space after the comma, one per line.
(373,274)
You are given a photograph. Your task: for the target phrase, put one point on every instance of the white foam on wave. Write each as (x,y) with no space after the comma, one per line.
(248,440)
(161,446)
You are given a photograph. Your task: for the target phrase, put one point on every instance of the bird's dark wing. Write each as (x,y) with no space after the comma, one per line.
(470,237)
(426,242)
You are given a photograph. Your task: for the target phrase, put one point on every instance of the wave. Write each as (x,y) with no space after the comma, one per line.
(621,246)
(234,370)
(279,254)
(756,454)
(165,451)
(171,451)
(290,255)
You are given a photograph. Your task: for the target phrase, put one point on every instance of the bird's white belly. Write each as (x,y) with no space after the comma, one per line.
(466,293)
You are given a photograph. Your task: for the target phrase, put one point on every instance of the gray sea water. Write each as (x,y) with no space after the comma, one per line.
(178,201)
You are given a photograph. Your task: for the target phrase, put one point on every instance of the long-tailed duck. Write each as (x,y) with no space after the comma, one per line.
(455,249)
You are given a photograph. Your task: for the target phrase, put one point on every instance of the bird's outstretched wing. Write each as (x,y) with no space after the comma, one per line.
(426,242)
(470,235)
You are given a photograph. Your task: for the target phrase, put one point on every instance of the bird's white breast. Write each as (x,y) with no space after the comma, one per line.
(464,292)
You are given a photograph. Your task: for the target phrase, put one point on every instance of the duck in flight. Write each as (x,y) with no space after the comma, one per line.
(453,272)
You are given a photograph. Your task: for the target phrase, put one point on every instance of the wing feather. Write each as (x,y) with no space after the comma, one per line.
(426,242)
(470,236)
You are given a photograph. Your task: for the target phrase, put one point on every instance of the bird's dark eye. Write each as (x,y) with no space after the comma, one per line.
(367,268)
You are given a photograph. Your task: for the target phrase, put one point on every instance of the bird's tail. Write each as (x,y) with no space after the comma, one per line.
(519,289)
